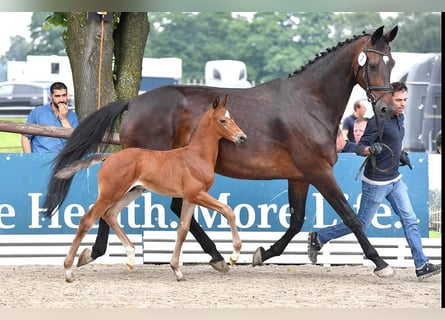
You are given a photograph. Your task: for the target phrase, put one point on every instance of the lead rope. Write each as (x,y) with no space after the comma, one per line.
(102,31)
(102,15)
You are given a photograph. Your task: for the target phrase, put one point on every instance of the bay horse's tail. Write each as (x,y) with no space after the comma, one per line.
(69,171)
(95,129)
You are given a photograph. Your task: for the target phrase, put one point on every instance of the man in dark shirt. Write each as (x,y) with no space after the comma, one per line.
(348,122)
(380,184)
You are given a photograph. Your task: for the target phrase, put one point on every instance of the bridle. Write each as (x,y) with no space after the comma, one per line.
(363,63)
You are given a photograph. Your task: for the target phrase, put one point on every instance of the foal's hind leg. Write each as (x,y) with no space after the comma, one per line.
(110,218)
(86,222)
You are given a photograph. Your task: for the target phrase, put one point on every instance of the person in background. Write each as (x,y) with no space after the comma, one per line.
(359,128)
(378,185)
(348,122)
(54,113)
(439,141)
(343,145)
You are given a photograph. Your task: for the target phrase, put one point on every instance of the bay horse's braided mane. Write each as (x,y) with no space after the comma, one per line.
(324,53)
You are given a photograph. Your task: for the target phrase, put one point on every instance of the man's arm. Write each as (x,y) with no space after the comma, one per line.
(26,144)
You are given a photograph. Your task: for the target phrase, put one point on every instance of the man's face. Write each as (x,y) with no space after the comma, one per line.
(399,99)
(59,96)
(362,110)
(359,129)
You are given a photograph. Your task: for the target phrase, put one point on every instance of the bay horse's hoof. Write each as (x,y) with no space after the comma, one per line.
(386,272)
(257,259)
(220,266)
(84,258)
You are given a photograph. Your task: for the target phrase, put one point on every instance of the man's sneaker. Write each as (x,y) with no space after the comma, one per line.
(428,270)
(313,246)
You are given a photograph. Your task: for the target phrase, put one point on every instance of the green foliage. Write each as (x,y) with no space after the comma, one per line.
(274,44)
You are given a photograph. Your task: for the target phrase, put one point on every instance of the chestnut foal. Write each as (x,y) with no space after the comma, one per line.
(186,173)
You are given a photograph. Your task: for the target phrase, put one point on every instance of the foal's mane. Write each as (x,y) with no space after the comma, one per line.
(322,54)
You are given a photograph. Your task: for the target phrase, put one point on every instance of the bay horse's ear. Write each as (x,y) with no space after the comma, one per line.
(215,102)
(391,34)
(377,35)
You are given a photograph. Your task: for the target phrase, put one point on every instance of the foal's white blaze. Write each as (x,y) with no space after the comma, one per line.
(385,59)
(227,115)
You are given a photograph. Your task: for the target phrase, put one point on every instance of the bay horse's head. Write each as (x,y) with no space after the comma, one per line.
(226,126)
(372,69)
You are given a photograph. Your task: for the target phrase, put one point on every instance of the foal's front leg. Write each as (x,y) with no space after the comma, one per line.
(181,234)
(206,200)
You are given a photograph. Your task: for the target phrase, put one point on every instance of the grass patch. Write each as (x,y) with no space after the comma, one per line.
(435,234)
(10,142)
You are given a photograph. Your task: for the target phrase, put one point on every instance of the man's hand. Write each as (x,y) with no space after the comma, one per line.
(63,111)
(375,148)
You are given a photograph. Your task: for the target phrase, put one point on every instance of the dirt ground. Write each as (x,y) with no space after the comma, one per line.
(244,286)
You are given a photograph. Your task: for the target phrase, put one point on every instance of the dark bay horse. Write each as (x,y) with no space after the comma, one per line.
(291,123)
(187,173)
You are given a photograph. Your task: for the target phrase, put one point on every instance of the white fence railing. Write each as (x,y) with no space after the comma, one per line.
(157,247)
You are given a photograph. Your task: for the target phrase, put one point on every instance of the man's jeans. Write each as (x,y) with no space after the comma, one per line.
(372,196)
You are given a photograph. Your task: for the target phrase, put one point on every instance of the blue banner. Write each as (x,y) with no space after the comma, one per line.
(259,205)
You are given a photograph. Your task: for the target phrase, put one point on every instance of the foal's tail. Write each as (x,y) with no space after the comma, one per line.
(95,129)
(69,171)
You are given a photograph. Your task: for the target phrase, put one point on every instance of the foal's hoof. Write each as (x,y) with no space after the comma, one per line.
(84,258)
(220,266)
(386,272)
(257,259)
(178,273)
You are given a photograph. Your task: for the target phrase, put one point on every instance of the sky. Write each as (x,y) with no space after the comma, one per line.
(13,24)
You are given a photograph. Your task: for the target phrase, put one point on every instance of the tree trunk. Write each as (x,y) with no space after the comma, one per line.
(92,45)
(89,46)
(129,45)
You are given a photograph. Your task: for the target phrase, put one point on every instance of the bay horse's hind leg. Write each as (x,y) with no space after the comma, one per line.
(297,195)
(217,261)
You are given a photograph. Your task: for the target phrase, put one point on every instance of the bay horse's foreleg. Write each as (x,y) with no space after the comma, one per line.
(297,195)
(331,191)
(206,200)
(181,234)
(85,224)
(207,245)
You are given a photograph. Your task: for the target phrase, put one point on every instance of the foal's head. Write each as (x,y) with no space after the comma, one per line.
(226,126)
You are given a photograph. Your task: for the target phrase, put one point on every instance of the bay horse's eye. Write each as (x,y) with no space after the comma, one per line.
(222,121)
(373,66)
